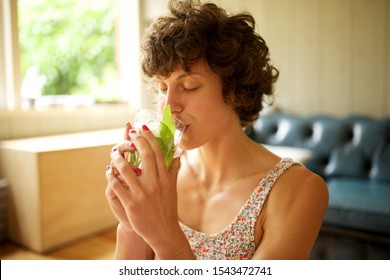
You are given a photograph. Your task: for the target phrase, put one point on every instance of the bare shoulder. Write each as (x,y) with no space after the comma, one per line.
(299,183)
(292,215)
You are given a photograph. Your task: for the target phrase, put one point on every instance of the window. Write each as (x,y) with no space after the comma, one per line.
(68,51)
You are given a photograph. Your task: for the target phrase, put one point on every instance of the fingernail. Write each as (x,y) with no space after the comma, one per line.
(108,167)
(114,150)
(137,171)
(145,128)
(132,145)
(132,131)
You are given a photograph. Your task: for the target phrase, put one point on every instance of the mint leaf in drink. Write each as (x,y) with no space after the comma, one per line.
(165,135)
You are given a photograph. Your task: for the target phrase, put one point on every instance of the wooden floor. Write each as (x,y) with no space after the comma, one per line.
(98,247)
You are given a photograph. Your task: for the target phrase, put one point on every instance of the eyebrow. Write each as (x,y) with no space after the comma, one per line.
(181,76)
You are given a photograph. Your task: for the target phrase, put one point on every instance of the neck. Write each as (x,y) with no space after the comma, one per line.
(213,165)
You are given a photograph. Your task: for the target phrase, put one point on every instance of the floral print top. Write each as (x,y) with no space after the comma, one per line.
(237,241)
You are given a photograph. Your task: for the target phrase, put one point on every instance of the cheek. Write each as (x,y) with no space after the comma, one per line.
(213,109)
(210,102)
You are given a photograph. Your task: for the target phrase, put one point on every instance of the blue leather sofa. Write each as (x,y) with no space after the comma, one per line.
(353,155)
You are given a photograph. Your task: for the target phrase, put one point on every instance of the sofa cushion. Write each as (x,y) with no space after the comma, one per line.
(347,160)
(359,204)
(364,132)
(381,163)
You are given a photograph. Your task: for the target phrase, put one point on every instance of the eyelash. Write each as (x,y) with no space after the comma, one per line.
(164,90)
(190,89)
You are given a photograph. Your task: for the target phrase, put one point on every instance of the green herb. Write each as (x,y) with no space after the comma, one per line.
(133,157)
(165,135)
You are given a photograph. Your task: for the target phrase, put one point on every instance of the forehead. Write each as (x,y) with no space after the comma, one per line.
(199,69)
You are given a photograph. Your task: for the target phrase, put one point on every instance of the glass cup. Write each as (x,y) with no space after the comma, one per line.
(168,137)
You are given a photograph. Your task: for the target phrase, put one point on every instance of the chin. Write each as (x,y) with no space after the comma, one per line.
(186,144)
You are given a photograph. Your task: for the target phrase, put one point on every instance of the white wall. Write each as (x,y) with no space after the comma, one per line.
(333,55)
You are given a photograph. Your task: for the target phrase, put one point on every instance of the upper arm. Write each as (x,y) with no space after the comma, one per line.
(292,216)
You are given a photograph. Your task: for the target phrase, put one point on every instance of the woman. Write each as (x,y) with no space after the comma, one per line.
(225,197)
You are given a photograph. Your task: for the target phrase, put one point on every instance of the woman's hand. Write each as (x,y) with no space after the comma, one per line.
(148,203)
(114,180)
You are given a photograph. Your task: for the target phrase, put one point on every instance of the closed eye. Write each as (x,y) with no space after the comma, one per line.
(191,89)
(164,90)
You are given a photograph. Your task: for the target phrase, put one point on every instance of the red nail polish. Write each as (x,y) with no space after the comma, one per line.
(114,150)
(132,145)
(145,128)
(108,167)
(132,131)
(137,171)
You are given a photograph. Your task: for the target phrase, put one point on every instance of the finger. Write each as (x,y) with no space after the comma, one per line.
(120,198)
(122,181)
(125,149)
(147,154)
(116,204)
(121,192)
(112,180)
(124,146)
(154,144)
(174,170)
(127,129)
(126,170)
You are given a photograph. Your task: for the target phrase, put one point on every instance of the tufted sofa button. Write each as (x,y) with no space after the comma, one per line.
(349,135)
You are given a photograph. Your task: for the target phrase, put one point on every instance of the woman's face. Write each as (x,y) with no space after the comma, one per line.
(196,98)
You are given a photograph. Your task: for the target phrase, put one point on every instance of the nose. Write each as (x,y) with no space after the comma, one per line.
(172,97)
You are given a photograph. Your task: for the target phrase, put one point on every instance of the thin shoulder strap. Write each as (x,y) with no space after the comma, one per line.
(259,196)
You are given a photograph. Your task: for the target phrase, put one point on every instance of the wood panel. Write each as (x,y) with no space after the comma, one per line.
(279,38)
(72,196)
(21,172)
(368,56)
(307,48)
(336,83)
(386,101)
(57,186)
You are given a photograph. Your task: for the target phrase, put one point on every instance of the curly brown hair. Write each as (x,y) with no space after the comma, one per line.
(229,43)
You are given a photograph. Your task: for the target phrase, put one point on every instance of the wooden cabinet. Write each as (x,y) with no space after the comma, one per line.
(56,187)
